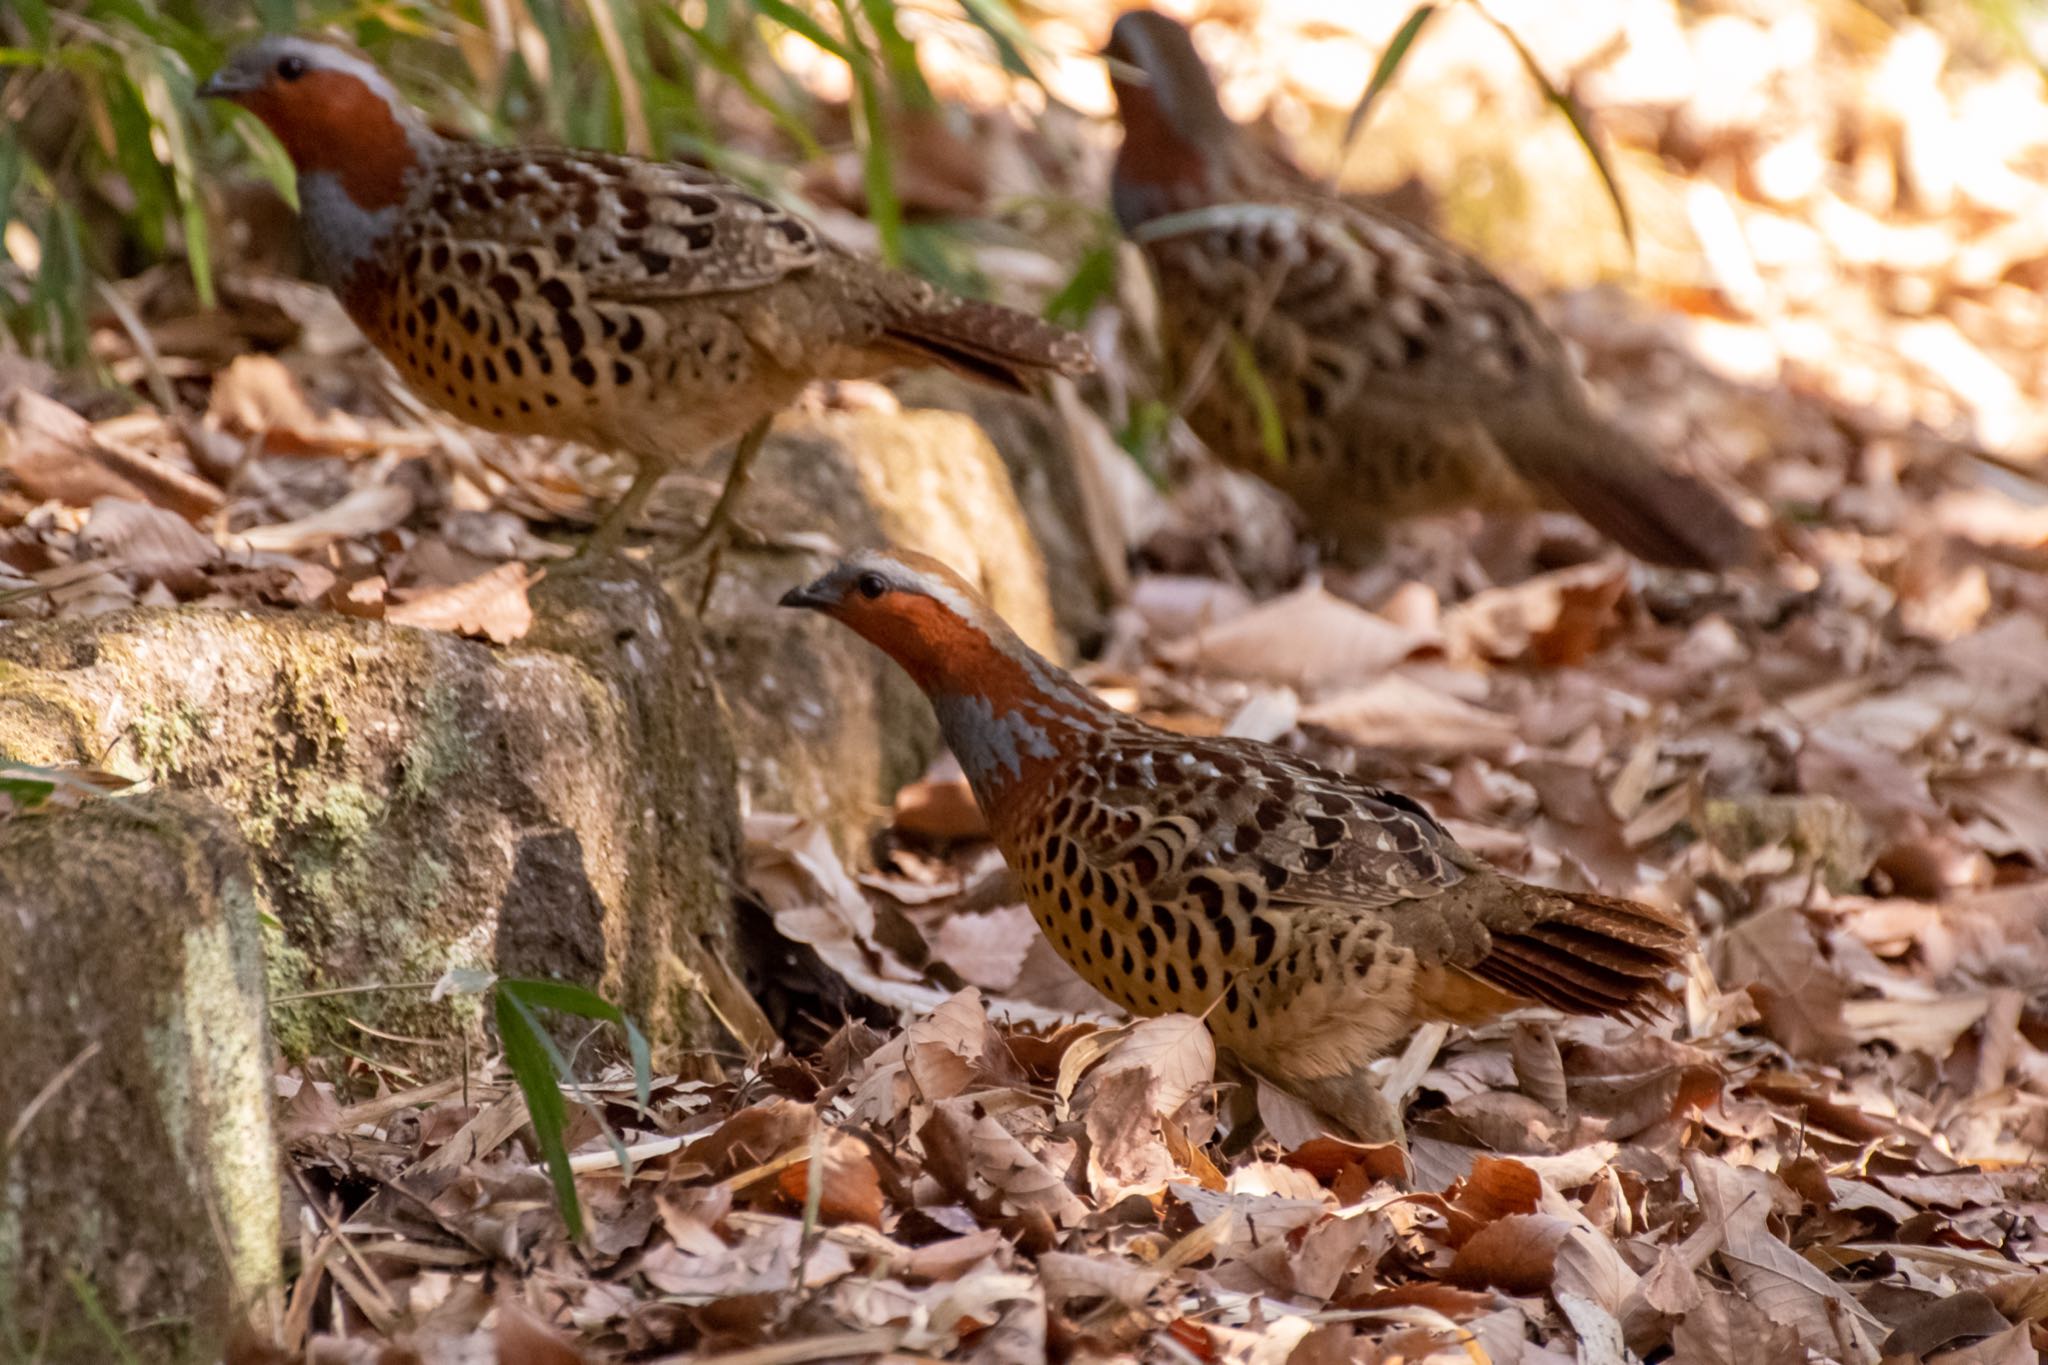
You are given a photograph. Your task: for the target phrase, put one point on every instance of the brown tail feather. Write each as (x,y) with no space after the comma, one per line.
(1657,514)
(989,342)
(1587,954)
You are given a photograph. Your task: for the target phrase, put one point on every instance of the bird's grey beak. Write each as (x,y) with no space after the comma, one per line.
(222,85)
(811,595)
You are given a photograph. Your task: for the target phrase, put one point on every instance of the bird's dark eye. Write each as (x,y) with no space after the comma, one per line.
(872,585)
(290,68)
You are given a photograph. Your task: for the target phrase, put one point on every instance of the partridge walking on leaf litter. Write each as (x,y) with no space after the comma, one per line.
(649,308)
(1315,920)
(1404,377)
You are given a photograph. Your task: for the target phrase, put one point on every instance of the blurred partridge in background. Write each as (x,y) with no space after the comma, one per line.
(1405,377)
(648,308)
(1314,920)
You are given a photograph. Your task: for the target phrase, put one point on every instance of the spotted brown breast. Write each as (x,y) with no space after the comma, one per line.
(1354,360)
(647,307)
(1314,920)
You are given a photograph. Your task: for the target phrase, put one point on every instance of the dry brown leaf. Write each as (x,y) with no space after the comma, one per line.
(1776,955)
(54,454)
(150,542)
(1516,1255)
(1400,712)
(1306,640)
(1176,1053)
(1127,1151)
(1554,620)
(492,606)
(987,949)
(1726,1329)
(364,512)
(977,1148)
(1068,1277)
(1946,1322)
(1787,1287)
(523,1339)
(256,395)
(2016,1346)
(940,805)
(851,1191)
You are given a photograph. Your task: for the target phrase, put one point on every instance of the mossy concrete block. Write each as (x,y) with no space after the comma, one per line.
(826,727)
(144,1176)
(399,786)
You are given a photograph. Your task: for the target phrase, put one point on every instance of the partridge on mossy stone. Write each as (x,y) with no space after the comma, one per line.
(1351,359)
(648,308)
(1312,919)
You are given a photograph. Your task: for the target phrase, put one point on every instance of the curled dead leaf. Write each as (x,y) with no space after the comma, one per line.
(493,605)
(1516,1254)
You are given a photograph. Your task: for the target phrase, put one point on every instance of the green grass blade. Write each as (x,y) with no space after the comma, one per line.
(1244,370)
(1382,77)
(1093,280)
(97,1315)
(35,18)
(877,161)
(899,55)
(529,1052)
(798,22)
(586,1004)
(1567,106)
(730,66)
(1014,44)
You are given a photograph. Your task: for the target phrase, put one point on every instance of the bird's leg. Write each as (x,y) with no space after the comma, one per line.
(718,526)
(611,531)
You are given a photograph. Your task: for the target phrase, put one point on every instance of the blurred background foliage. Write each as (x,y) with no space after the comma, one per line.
(104,151)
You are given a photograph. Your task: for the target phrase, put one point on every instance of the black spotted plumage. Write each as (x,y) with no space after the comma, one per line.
(1313,919)
(1399,375)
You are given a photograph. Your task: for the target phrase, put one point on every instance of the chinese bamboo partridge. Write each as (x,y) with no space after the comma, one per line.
(1394,374)
(643,307)
(1313,919)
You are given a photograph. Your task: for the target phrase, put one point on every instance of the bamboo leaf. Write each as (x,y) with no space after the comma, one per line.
(899,55)
(798,22)
(729,65)
(1244,370)
(1094,279)
(587,1004)
(878,166)
(1012,40)
(1382,77)
(1567,106)
(534,1058)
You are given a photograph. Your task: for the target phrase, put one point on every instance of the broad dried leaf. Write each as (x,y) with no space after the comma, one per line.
(1399,712)
(493,606)
(1176,1053)
(987,949)
(1770,1274)
(1800,994)
(149,542)
(1305,640)
(363,513)
(1069,1277)
(1516,1254)
(940,805)
(1555,620)
(523,1339)
(852,1189)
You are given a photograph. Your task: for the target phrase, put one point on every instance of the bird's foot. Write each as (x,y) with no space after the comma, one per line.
(720,525)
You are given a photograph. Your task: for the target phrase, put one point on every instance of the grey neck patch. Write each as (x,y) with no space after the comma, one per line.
(992,745)
(340,233)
